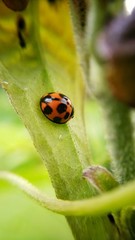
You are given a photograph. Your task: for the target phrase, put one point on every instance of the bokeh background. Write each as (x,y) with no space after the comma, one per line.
(20,217)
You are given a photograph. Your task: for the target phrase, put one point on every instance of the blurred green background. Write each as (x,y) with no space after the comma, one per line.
(20,217)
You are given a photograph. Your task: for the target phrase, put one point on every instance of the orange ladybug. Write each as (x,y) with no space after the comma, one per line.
(57,107)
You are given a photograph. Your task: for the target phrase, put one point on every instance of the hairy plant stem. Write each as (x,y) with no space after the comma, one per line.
(99,205)
(79,11)
(119,126)
(120,138)
(117,115)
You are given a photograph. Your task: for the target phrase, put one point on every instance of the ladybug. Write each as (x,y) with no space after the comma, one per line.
(57,107)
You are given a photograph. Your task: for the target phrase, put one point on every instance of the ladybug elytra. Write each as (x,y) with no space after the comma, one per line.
(57,107)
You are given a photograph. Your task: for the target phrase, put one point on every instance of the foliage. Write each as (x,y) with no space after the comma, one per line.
(38,55)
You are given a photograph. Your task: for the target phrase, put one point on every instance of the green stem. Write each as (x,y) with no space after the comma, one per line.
(117,116)
(108,202)
(79,11)
(120,138)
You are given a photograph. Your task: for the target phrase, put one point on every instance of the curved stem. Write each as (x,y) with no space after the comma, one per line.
(100,205)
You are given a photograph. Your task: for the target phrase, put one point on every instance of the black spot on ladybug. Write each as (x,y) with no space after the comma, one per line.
(66,115)
(61,108)
(57,119)
(72,113)
(56,99)
(48,110)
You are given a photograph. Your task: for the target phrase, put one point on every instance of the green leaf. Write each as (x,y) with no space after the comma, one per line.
(26,78)
(44,65)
